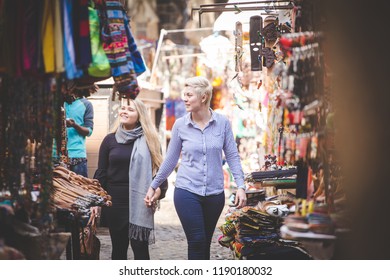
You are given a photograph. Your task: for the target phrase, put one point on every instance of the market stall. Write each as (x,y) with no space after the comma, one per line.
(280,61)
(49,52)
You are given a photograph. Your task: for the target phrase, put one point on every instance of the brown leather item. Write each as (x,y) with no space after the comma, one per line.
(89,242)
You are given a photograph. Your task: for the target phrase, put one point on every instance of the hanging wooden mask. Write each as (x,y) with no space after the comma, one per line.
(238,47)
(255,42)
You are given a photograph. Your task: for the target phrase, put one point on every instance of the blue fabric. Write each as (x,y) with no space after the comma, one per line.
(135,56)
(200,169)
(69,52)
(80,168)
(198,216)
(81,111)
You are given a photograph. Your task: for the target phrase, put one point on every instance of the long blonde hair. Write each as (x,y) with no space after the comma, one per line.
(150,133)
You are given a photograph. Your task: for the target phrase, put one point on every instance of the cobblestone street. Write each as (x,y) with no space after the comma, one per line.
(170,239)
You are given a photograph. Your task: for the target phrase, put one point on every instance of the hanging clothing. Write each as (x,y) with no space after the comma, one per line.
(48,37)
(32,27)
(81,37)
(100,66)
(69,51)
(58,37)
(135,55)
(115,38)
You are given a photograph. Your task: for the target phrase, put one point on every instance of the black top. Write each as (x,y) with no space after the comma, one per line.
(113,175)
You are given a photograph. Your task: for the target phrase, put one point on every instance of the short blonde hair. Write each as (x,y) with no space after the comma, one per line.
(201,86)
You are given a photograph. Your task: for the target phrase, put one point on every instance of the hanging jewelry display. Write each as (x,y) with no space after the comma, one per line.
(27,121)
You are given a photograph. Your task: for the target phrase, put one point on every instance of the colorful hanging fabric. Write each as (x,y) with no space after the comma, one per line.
(30,51)
(69,52)
(135,55)
(48,37)
(100,66)
(116,45)
(58,37)
(81,34)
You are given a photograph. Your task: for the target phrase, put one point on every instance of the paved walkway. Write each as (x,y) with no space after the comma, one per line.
(170,239)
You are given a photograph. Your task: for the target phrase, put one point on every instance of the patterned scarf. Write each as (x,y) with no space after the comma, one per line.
(141,218)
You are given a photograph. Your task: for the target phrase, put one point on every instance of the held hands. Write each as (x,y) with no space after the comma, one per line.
(240,200)
(151,197)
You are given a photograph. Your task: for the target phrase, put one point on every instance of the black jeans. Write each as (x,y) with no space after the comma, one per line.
(198,216)
(120,244)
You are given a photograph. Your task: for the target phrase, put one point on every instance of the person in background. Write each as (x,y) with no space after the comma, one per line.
(79,116)
(200,137)
(79,123)
(128,159)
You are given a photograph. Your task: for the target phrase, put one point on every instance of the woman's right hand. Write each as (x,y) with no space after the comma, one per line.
(240,200)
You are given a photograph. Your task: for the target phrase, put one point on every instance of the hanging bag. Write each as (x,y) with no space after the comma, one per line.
(89,242)
(100,66)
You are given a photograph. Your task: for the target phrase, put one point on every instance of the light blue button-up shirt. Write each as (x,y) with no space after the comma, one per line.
(200,169)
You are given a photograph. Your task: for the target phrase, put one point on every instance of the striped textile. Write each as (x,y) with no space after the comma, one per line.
(116,45)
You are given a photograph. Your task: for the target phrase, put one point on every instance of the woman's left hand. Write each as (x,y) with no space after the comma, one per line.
(152,196)
(240,200)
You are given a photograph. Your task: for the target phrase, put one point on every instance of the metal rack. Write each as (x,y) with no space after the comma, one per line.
(242,6)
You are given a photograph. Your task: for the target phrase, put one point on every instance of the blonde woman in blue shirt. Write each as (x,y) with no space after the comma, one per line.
(200,137)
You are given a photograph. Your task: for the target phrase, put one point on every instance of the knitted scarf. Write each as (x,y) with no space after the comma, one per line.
(141,218)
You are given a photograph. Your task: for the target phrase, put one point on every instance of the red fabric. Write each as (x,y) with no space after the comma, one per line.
(169,122)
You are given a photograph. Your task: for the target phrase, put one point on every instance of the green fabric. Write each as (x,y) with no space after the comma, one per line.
(100,66)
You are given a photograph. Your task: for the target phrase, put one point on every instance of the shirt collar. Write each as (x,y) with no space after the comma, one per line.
(188,119)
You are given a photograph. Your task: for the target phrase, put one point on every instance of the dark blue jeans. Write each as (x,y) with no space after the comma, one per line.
(80,168)
(198,216)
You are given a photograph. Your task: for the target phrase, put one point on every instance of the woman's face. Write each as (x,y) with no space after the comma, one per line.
(192,101)
(128,115)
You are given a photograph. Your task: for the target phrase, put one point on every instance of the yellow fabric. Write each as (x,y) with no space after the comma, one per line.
(59,51)
(48,37)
